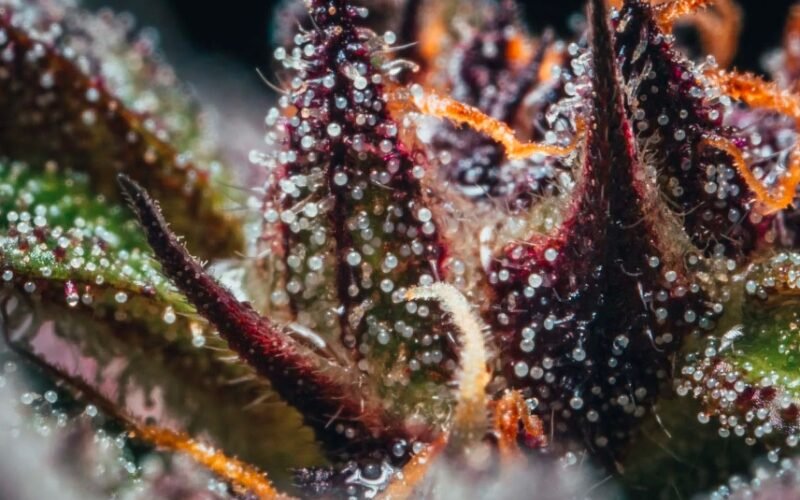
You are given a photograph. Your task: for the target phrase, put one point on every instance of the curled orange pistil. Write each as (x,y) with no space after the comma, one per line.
(783,194)
(463,114)
(757,93)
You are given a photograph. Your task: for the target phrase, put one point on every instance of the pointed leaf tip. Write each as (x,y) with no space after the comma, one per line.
(323,391)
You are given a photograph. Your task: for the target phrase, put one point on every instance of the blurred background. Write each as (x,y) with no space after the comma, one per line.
(240,29)
(217,46)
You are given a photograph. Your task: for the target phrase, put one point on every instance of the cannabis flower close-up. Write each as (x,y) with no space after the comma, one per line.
(466,254)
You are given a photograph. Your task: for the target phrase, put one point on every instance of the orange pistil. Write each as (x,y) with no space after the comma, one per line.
(445,107)
(414,472)
(553,58)
(519,50)
(430,38)
(669,12)
(760,94)
(757,93)
(785,191)
(719,31)
(791,43)
(509,411)
(244,478)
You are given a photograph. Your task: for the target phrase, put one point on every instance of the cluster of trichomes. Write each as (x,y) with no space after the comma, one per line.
(477,255)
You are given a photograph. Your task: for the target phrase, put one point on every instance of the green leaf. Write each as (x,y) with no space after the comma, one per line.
(77,248)
(85,266)
(82,98)
(748,375)
(91,97)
